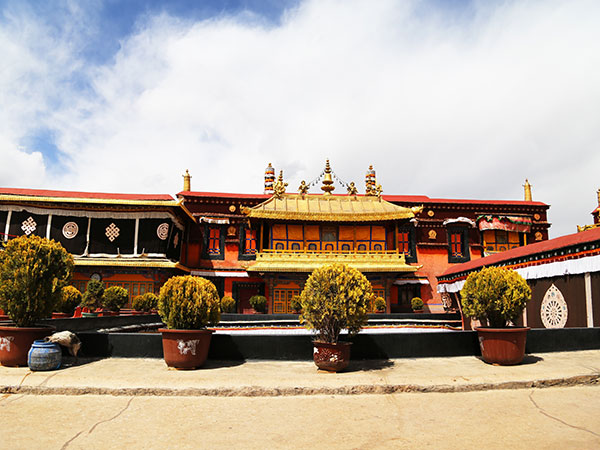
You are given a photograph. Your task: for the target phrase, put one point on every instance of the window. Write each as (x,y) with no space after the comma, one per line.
(406,243)
(282,299)
(495,241)
(249,242)
(458,245)
(214,240)
(329,234)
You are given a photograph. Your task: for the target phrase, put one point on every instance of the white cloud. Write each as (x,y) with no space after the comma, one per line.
(442,106)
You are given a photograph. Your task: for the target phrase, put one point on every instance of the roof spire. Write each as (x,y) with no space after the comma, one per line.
(598,192)
(187,185)
(370,181)
(328,186)
(269,179)
(527,187)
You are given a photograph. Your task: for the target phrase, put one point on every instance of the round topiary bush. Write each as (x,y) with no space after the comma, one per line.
(379,304)
(416,304)
(94,294)
(33,271)
(69,300)
(115,297)
(227,304)
(259,303)
(189,303)
(495,296)
(335,297)
(145,302)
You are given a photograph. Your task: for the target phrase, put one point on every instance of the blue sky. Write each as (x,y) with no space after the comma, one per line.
(446,98)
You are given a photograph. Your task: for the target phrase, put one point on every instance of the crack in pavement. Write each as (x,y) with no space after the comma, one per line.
(550,416)
(66,444)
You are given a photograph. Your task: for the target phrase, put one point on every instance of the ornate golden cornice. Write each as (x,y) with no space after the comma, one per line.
(307,262)
(129,262)
(329,208)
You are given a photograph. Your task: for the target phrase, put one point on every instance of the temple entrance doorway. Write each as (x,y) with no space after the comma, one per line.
(405,294)
(242,293)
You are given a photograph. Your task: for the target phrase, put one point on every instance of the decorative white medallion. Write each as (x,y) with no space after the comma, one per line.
(28,226)
(554,311)
(70,230)
(112,232)
(163,231)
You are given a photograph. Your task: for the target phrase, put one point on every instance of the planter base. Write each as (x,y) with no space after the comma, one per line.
(185,349)
(503,346)
(331,357)
(15,343)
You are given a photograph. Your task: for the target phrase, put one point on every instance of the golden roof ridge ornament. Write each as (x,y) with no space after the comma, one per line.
(352,189)
(370,181)
(187,184)
(303,188)
(328,186)
(279,188)
(527,187)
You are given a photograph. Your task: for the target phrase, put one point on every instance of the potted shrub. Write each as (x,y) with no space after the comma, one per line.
(227,304)
(115,297)
(33,271)
(186,305)
(145,303)
(335,297)
(295,304)
(259,303)
(496,297)
(417,305)
(92,297)
(70,299)
(379,304)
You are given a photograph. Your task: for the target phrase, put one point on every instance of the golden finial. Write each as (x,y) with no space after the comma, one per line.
(377,191)
(370,181)
(352,189)
(187,185)
(303,189)
(279,188)
(598,192)
(527,187)
(328,186)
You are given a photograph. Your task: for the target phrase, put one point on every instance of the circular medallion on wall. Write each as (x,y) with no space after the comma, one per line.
(96,276)
(70,230)
(163,231)
(554,311)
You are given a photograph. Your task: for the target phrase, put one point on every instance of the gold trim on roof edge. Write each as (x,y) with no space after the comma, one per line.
(297,207)
(307,262)
(120,262)
(108,201)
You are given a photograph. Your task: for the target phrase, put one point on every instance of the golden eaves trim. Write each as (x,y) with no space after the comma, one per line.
(107,201)
(329,208)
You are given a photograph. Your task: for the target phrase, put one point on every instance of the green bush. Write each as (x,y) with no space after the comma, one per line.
(145,302)
(33,271)
(259,303)
(115,297)
(495,296)
(94,294)
(380,304)
(69,300)
(416,304)
(335,297)
(296,304)
(227,304)
(189,303)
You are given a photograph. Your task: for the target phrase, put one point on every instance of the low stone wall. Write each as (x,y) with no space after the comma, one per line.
(365,345)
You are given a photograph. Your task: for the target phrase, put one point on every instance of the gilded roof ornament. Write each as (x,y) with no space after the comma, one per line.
(527,187)
(377,191)
(303,188)
(279,188)
(328,186)
(352,189)
(370,181)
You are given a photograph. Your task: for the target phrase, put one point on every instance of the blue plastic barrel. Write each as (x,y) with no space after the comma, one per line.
(44,356)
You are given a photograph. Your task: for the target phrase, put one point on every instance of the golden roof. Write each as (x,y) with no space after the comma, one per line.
(277,261)
(129,262)
(329,208)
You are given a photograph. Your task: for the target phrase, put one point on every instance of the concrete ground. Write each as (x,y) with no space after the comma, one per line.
(551,401)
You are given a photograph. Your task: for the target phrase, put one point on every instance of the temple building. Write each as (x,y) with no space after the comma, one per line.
(133,241)
(269,243)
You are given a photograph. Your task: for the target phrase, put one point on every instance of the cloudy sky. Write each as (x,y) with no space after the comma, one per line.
(451,99)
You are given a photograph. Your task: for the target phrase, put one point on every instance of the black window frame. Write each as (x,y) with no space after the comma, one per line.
(464,242)
(242,255)
(412,243)
(205,253)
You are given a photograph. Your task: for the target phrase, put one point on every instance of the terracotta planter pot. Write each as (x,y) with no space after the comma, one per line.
(15,343)
(503,346)
(331,357)
(185,349)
